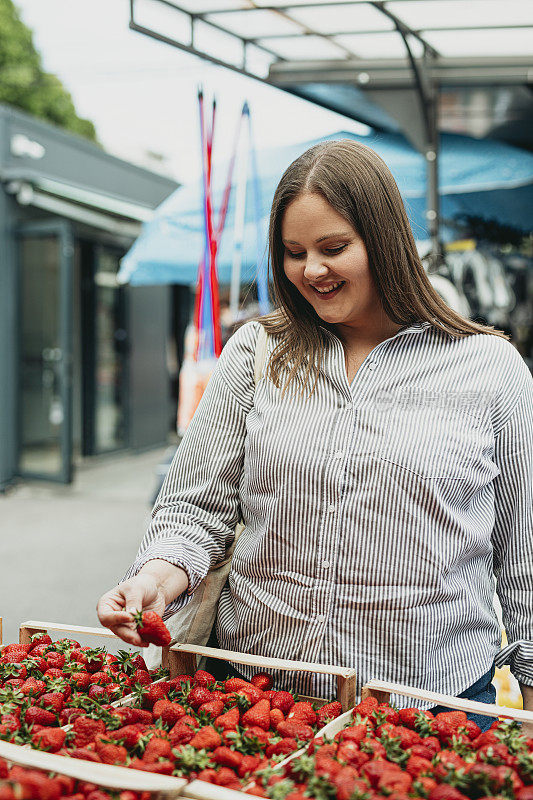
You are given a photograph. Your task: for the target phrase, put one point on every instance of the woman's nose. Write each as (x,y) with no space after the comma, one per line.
(315,268)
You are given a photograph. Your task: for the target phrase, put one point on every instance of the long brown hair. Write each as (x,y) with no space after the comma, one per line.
(357,183)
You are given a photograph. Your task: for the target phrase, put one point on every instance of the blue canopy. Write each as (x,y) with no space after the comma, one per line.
(478,177)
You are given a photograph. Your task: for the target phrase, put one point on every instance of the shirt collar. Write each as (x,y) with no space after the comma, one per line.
(414,327)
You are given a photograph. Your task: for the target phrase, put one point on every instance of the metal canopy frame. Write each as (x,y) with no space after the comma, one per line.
(407,88)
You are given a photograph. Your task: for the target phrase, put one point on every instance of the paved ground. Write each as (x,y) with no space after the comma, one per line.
(62,547)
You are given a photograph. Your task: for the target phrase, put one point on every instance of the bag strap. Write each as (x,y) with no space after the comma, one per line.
(260,354)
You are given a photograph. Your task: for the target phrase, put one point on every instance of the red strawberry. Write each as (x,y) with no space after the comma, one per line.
(226,777)
(417,766)
(248,764)
(157,748)
(258,715)
(284,701)
(33,687)
(276,716)
(39,639)
(284,746)
(213,709)
(110,753)
(234,684)
(52,701)
(206,738)
(328,712)
(395,781)
(169,712)
(352,733)
(51,739)
(445,792)
(229,720)
(38,716)
(181,734)
(141,676)
(202,677)
(155,692)
(198,696)
(86,730)
(227,757)
(296,729)
(304,712)
(55,660)
(130,735)
(262,680)
(152,629)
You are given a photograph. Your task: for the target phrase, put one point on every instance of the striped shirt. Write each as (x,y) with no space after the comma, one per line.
(377,514)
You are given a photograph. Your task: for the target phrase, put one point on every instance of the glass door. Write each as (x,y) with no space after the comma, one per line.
(45,385)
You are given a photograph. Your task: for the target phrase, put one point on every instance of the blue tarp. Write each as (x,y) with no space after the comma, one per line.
(481,178)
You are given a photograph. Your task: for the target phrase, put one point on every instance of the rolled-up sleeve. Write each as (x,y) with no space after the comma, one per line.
(513,534)
(198,507)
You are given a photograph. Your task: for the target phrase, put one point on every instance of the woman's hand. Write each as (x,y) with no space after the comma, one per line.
(156,585)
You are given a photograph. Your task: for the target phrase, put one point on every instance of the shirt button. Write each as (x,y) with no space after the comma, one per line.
(326,564)
(338,454)
(349,406)
(321,618)
(331,507)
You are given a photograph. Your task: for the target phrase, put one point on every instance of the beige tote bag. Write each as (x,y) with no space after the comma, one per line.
(193,623)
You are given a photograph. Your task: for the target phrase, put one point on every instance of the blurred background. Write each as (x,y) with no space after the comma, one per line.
(135,132)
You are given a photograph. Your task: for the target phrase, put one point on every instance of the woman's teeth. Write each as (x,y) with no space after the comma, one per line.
(329,288)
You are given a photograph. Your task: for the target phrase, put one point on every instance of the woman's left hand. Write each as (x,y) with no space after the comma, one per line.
(527,695)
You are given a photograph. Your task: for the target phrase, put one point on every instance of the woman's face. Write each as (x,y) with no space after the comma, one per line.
(322,250)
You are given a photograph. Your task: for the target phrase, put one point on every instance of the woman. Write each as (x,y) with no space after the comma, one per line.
(382,467)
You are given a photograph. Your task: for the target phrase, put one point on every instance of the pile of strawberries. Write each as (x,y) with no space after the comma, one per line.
(406,754)
(21,783)
(196,727)
(45,684)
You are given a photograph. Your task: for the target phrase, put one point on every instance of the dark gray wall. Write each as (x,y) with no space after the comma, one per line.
(149,391)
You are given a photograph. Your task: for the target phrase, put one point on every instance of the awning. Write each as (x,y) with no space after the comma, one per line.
(480,178)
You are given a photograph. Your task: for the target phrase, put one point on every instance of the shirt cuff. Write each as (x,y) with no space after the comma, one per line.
(192,559)
(519,656)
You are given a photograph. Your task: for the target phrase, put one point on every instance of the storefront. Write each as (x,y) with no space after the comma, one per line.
(83,361)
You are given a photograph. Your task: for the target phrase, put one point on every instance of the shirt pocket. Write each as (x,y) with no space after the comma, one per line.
(434,442)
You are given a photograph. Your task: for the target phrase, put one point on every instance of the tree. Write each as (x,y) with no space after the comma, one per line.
(25,85)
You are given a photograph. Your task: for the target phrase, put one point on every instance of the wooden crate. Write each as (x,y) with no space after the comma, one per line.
(105,775)
(181,659)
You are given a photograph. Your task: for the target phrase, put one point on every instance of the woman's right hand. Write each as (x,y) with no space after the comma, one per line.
(156,585)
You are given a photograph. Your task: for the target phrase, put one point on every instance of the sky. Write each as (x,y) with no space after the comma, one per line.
(142,94)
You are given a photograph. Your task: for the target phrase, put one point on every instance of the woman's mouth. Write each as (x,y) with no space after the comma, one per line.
(328,291)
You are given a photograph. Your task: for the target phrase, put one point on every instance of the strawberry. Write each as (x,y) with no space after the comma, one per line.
(52,701)
(39,639)
(284,701)
(129,734)
(206,738)
(33,687)
(181,734)
(141,676)
(229,720)
(226,777)
(227,757)
(352,755)
(51,739)
(276,716)
(109,752)
(258,715)
(157,748)
(284,746)
(303,712)
(296,729)
(80,680)
(86,730)
(156,691)
(234,684)
(328,712)
(55,660)
(38,716)
(352,733)
(203,678)
(394,781)
(445,792)
(198,696)
(213,709)
(262,680)
(168,711)
(417,766)
(152,629)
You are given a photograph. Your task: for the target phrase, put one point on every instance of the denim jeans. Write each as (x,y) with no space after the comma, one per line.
(482,691)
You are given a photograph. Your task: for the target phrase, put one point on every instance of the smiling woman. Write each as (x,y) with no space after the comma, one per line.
(379,505)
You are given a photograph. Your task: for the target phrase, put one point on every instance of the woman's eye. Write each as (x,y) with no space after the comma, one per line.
(336,249)
(330,250)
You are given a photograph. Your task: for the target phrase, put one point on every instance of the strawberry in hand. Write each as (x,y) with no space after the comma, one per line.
(151,628)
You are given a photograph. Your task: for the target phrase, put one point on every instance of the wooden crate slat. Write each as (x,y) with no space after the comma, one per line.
(102,774)
(458,703)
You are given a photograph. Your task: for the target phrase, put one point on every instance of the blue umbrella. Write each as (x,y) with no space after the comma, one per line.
(481,178)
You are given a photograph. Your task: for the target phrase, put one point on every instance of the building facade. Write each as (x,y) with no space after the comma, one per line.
(83,360)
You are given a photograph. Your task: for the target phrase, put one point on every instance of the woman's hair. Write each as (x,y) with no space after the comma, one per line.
(357,183)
